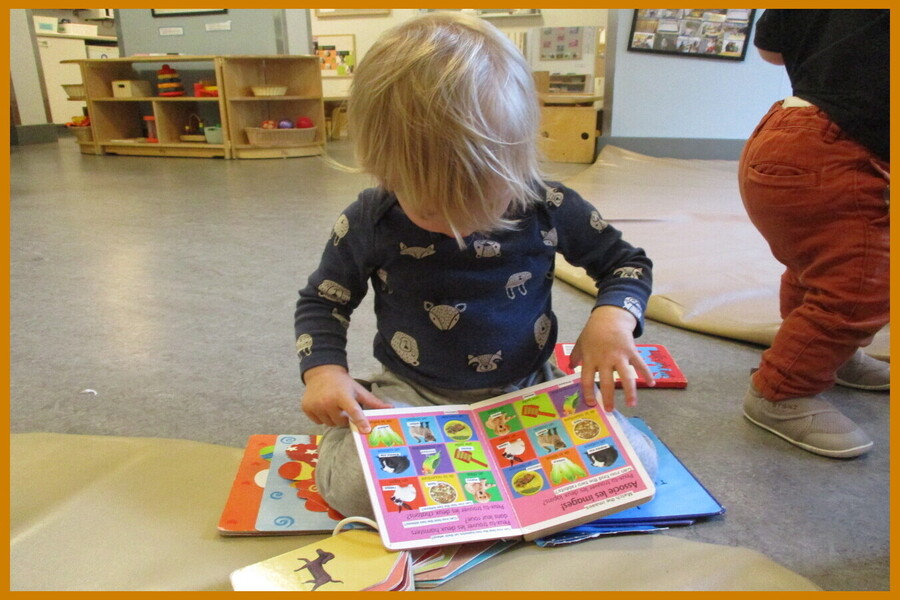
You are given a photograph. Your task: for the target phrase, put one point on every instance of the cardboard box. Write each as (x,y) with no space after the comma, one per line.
(45,24)
(131,88)
(78,29)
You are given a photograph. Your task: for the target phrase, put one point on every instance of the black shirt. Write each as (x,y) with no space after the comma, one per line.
(840,61)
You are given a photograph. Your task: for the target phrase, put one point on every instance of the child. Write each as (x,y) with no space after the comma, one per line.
(458,241)
(814,177)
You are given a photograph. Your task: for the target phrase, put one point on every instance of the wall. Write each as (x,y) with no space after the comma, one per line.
(367,29)
(25,70)
(659,103)
(252,32)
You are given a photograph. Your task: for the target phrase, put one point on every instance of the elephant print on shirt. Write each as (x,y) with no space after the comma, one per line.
(340,229)
(516,282)
(486,248)
(304,345)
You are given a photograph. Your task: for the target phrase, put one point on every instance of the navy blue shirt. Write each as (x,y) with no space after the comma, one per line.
(456,318)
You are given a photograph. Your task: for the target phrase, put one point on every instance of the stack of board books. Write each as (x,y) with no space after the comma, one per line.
(455,485)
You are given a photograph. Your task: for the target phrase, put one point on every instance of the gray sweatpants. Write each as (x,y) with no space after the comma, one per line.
(339,475)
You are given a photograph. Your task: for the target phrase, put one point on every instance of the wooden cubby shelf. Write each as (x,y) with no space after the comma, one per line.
(118,123)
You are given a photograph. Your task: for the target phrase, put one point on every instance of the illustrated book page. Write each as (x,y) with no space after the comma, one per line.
(524,464)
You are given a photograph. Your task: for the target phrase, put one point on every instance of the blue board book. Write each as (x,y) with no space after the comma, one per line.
(680,500)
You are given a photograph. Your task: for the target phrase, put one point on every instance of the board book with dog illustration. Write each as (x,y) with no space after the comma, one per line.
(521,465)
(657,357)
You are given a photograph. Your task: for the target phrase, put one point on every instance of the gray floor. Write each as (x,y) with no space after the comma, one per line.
(154,297)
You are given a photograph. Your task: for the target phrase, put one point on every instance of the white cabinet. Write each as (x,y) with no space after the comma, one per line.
(52,51)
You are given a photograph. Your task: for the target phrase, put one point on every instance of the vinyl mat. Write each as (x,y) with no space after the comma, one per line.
(713,271)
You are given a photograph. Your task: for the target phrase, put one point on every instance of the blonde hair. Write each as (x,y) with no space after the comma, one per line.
(444,113)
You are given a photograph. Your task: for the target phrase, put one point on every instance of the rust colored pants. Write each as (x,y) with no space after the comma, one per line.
(817,198)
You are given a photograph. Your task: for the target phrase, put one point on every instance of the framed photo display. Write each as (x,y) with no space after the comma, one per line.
(180,12)
(699,32)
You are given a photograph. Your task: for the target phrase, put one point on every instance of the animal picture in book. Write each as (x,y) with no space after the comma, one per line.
(353,560)
(516,465)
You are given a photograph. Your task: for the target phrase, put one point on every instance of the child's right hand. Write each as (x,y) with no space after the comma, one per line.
(332,397)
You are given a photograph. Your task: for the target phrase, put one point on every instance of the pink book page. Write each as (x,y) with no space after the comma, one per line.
(526,462)
(560,459)
(433,478)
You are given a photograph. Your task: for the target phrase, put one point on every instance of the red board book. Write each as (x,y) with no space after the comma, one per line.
(663,367)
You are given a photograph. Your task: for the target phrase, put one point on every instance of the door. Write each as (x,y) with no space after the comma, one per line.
(52,51)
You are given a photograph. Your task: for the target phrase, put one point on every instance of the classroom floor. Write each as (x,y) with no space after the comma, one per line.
(154,297)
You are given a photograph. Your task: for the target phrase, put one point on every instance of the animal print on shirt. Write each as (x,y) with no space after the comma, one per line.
(416,251)
(340,229)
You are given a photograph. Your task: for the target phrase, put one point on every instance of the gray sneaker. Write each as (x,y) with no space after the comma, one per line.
(863,372)
(810,422)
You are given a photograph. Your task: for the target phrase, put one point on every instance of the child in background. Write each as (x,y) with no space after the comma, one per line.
(814,178)
(459,242)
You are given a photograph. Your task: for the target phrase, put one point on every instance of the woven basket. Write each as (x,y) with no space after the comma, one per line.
(75,91)
(82,134)
(280,137)
(268,90)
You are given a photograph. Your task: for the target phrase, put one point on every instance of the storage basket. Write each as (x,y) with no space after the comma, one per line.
(82,134)
(269,90)
(280,137)
(75,91)
(213,134)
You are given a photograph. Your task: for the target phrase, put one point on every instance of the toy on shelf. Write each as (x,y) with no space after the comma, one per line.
(150,124)
(206,89)
(169,82)
(193,131)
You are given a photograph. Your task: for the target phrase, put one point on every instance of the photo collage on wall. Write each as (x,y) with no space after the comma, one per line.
(699,32)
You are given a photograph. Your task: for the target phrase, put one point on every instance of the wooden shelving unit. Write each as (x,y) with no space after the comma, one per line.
(303,98)
(118,123)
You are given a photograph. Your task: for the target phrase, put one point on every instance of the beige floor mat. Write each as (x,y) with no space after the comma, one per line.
(119,513)
(713,271)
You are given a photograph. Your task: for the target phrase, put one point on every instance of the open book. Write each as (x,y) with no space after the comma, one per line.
(521,465)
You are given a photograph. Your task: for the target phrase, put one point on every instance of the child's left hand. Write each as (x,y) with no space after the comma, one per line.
(606,344)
